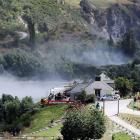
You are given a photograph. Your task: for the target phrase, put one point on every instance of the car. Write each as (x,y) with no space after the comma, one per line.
(106,97)
(110,97)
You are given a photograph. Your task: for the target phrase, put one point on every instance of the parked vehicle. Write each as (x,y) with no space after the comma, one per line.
(110,97)
(117,96)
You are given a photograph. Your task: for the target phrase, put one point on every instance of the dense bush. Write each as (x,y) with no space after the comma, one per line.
(81,97)
(83,123)
(129,71)
(90,98)
(85,98)
(22,63)
(124,85)
(15,114)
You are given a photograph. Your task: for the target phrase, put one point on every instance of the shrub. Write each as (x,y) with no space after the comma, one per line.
(90,98)
(82,97)
(83,123)
(85,98)
(14,113)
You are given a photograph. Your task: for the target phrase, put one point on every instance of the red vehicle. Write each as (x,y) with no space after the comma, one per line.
(47,102)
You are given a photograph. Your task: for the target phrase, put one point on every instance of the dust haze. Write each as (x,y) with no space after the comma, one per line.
(37,89)
(74,50)
(80,52)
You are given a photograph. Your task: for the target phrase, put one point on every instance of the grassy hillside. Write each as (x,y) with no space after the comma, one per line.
(51,133)
(74,3)
(107,3)
(98,3)
(44,117)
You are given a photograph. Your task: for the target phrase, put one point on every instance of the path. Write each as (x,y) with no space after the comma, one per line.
(22,35)
(111,107)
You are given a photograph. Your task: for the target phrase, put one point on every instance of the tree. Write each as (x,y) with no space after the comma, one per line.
(36,12)
(22,63)
(15,114)
(12,110)
(26,104)
(82,97)
(83,123)
(124,85)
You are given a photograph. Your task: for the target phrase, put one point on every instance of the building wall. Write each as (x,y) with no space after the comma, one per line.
(91,90)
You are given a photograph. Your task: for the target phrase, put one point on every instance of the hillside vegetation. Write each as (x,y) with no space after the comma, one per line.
(45,116)
(99,3)
(75,3)
(107,3)
(72,40)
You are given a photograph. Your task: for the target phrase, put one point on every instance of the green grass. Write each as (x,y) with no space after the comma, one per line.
(43,118)
(121,136)
(51,133)
(131,119)
(107,3)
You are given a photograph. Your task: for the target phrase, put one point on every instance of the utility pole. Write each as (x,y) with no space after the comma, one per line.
(118,106)
(103,106)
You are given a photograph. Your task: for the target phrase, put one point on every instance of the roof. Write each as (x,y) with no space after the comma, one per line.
(78,88)
(101,85)
(109,81)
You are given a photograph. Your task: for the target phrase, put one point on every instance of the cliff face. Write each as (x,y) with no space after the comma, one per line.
(115,20)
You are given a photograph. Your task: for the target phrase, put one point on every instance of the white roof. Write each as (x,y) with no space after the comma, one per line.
(109,81)
(101,85)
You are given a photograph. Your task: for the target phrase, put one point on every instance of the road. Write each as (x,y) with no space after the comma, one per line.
(111,107)
(111,110)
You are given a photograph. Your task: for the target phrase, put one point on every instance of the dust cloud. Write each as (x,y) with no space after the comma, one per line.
(37,89)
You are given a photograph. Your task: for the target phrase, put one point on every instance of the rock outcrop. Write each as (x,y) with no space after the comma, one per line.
(115,20)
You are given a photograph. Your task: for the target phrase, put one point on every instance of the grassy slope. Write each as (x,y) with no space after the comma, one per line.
(121,136)
(98,3)
(44,117)
(74,3)
(106,3)
(51,133)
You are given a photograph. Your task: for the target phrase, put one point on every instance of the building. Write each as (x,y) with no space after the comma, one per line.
(79,87)
(101,86)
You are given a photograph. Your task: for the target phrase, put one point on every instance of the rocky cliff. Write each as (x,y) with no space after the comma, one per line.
(113,20)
